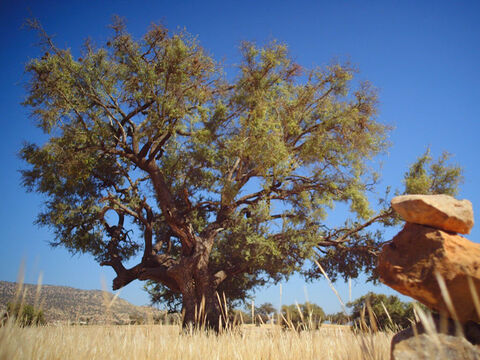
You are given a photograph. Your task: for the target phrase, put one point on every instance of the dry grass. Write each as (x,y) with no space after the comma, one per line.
(166,342)
(145,342)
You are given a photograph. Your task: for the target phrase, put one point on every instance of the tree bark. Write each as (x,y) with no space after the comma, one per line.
(207,296)
(200,303)
(200,306)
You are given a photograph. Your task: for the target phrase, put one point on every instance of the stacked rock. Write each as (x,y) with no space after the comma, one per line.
(429,248)
(429,245)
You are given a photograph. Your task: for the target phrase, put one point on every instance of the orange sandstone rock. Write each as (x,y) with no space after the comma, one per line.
(409,262)
(439,211)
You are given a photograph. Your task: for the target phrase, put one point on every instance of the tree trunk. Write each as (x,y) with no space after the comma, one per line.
(203,312)
(200,303)
(189,304)
(189,275)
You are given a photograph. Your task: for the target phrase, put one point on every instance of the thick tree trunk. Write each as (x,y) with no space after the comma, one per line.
(200,303)
(212,315)
(201,307)
(201,312)
(189,304)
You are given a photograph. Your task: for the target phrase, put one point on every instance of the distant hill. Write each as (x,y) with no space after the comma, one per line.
(65,304)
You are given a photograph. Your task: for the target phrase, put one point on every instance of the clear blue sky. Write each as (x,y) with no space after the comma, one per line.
(423,56)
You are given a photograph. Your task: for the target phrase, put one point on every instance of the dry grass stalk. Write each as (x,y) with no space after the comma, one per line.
(448,301)
(332,287)
(474,293)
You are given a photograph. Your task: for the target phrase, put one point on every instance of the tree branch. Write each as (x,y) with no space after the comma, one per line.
(328,241)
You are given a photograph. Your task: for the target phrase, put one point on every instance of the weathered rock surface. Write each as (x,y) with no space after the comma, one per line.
(451,345)
(436,346)
(439,211)
(409,262)
(470,330)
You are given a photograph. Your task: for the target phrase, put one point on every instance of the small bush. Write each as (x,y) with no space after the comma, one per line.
(25,315)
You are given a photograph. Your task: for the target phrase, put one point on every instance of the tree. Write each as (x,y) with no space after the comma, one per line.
(238,316)
(303,316)
(428,177)
(217,186)
(339,318)
(388,312)
(265,312)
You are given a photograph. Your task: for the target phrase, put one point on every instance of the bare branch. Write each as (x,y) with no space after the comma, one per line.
(332,240)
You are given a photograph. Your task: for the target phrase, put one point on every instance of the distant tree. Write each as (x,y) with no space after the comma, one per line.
(218,185)
(303,316)
(339,318)
(25,314)
(389,312)
(241,317)
(136,319)
(265,311)
(166,318)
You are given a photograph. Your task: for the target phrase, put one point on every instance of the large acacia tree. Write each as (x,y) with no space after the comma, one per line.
(214,185)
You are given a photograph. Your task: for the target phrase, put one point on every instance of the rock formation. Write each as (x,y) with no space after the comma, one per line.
(427,254)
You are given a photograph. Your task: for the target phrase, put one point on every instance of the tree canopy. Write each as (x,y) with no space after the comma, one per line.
(215,185)
(388,312)
(265,312)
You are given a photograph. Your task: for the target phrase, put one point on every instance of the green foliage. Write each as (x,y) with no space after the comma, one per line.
(339,318)
(238,316)
(265,312)
(427,176)
(160,294)
(25,314)
(388,312)
(136,319)
(303,316)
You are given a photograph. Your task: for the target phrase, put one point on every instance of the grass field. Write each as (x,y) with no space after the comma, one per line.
(167,342)
(144,342)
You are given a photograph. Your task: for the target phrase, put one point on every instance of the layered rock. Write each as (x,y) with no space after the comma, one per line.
(410,261)
(438,211)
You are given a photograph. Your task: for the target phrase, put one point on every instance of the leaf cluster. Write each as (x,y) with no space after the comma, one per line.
(429,176)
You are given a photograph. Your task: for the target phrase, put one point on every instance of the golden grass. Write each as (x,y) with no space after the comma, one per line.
(145,342)
(167,342)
